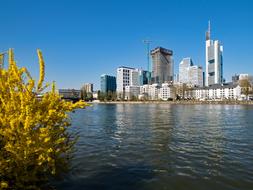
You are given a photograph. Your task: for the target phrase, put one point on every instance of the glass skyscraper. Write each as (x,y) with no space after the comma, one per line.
(108,83)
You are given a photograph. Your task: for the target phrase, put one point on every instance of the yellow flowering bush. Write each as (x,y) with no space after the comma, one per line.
(35,144)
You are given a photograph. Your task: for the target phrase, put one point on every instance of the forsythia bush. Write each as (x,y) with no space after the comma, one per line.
(34,142)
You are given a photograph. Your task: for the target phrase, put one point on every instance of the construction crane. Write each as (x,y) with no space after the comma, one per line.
(147,43)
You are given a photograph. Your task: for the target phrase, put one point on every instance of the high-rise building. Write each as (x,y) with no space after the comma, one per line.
(163,69)
(127,76)
(190,74)
(184,67)
(196,76)
(235,79)
(107,83)
(143,77)
(214,60)
(88,87)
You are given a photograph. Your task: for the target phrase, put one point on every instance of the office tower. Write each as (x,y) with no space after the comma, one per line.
(163,69)
(184,67)
(107,83)
(190,74)
(214,60)
(195,76)
(127,76)
(143,77)
(235,79)
(88,87)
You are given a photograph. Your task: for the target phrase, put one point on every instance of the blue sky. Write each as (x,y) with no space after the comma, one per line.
(83,39)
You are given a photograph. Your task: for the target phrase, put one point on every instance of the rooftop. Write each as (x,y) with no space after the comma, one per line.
(162,50)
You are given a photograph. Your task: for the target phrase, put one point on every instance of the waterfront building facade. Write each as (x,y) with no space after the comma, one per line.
(153,91)
(229,91)
(132,92)
(214,60)
(123,78)
(127,76)
(107,83)
(163,65)
(88,87)
(167,92)
(70,93)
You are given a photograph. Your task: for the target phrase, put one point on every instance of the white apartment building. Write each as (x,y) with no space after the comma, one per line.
(153,91)
(166,92)
(132,91)
(127,76)
(216,92)
(150,92)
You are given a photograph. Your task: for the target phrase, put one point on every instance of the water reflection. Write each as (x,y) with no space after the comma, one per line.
(162,146)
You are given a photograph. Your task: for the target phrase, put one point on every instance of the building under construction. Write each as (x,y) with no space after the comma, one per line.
(163,69)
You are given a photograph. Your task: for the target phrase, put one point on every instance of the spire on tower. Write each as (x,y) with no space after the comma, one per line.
(208,32)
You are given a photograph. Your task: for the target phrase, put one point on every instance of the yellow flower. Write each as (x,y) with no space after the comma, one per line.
(47,139)
(29,125)
(4,185)
(42,69)
(28,142)
(50,150)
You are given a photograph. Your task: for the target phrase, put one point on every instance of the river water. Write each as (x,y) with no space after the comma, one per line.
(162,146)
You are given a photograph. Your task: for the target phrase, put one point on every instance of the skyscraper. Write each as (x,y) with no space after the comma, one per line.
(190,74)
(107,83)
(143,77)
(127,76)
(163,69)
(184,67)
(196,76)
(214,60)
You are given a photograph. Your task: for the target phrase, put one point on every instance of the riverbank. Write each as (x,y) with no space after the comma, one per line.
(178,102)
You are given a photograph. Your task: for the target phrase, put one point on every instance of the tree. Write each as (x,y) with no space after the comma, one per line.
(101,96)
(89,97)
(114,96)
(246,87)
(35,144)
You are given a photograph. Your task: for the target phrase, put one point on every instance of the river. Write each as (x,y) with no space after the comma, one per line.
(162,146)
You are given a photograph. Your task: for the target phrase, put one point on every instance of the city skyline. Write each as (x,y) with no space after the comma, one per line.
(81,41)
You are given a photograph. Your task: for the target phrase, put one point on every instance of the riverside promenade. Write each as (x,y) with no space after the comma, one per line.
(185,102)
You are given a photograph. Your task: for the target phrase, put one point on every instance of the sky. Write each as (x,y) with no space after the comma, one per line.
(82,39)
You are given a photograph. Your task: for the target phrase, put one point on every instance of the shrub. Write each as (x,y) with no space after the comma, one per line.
(35,144)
